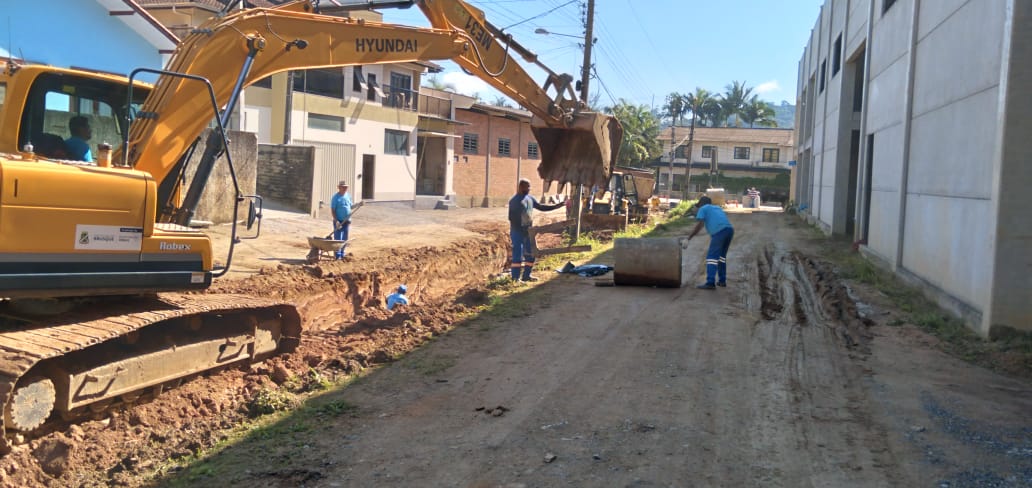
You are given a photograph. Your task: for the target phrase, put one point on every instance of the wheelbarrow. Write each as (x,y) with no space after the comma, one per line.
(323,248)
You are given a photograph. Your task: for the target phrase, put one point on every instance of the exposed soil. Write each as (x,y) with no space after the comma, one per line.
(787,377)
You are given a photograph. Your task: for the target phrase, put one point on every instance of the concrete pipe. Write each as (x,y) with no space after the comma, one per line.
(651,262)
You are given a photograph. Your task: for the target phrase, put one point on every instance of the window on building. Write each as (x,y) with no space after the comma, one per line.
(400,94)
(532,150)
(372,87)
(326,82)
(836,56)
(824,72)
(886,5)
(358,82)
(681,152)
(263,83)
(504,147)
(771,155)
(679,180)
(708,151)
(325,122)
(858,85)
(395,142)
(664,182)
(741,152)
(470,143)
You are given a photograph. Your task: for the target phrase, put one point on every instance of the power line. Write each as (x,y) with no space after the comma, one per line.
(539,15)
(604,87)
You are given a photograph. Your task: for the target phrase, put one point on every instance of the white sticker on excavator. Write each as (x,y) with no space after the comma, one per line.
(108,238)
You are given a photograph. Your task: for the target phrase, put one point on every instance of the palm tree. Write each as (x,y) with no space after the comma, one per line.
(501,101)
(676,107)
(700,104)
(434,82)
(734,100)
(641,130)
(757,111)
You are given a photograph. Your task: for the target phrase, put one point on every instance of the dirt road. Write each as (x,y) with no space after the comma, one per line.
(777,380)
(788,377)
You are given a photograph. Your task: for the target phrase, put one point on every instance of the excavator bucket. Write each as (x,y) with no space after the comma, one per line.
(583,153)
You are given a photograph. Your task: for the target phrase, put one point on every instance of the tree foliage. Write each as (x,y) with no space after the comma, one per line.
(757,111)
(736,107)
(436,83)
(676,108)
(641,129)
(500,101)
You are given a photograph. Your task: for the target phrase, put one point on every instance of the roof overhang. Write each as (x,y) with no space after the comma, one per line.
(143,23)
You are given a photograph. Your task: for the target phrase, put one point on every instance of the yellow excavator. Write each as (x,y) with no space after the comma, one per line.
(113,237)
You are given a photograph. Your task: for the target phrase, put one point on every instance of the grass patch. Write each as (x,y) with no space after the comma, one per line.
(429,364)
(310,380)
(279,433)
(1011,354)
(268,401)
(681,209)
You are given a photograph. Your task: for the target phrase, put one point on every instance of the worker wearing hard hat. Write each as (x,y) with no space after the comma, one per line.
(397,298)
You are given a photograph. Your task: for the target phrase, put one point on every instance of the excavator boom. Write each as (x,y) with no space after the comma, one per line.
(577,146)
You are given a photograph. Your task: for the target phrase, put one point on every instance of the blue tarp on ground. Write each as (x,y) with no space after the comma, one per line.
(585,269)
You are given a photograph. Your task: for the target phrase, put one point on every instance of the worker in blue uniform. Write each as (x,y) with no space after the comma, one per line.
(720,230)
(340,205)
(521,207)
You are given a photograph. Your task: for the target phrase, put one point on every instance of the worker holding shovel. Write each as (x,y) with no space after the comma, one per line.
(340,205)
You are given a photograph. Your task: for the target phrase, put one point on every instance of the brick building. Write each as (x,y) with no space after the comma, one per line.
(492,152)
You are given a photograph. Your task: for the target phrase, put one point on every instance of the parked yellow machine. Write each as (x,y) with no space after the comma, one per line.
(119,232)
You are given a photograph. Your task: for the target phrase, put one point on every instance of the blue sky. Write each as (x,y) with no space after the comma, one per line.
(646,49)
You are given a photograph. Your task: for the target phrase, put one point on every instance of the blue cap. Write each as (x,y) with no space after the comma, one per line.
(402,288)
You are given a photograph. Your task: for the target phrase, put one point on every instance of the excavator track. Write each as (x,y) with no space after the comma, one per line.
(112,352)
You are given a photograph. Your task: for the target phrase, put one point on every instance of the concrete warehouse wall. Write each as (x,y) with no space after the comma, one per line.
(936,150)
(285,174)
(216,204)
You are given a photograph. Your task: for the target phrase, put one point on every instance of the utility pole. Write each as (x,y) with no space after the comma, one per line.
(688,167)
(673,150)
(586,69)
(589,26)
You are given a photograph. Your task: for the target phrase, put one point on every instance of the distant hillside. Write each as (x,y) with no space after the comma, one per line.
(785,115)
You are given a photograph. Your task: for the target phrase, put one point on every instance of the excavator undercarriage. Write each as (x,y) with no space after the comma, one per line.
(118,349)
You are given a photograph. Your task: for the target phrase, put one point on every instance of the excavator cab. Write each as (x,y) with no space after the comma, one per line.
(55,97)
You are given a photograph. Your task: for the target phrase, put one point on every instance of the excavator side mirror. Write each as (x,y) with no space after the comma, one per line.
(252,215)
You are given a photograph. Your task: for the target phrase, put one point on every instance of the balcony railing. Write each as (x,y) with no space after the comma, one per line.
(435,106)
(400,98)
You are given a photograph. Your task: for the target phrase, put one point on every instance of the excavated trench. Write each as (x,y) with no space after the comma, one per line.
(346,329)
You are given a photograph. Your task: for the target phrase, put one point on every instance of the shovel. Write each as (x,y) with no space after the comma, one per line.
(354,209)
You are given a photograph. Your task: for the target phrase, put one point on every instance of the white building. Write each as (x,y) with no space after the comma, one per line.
(741,157)
(913,134)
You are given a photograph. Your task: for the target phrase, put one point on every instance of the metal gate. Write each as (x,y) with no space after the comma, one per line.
(333,162)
